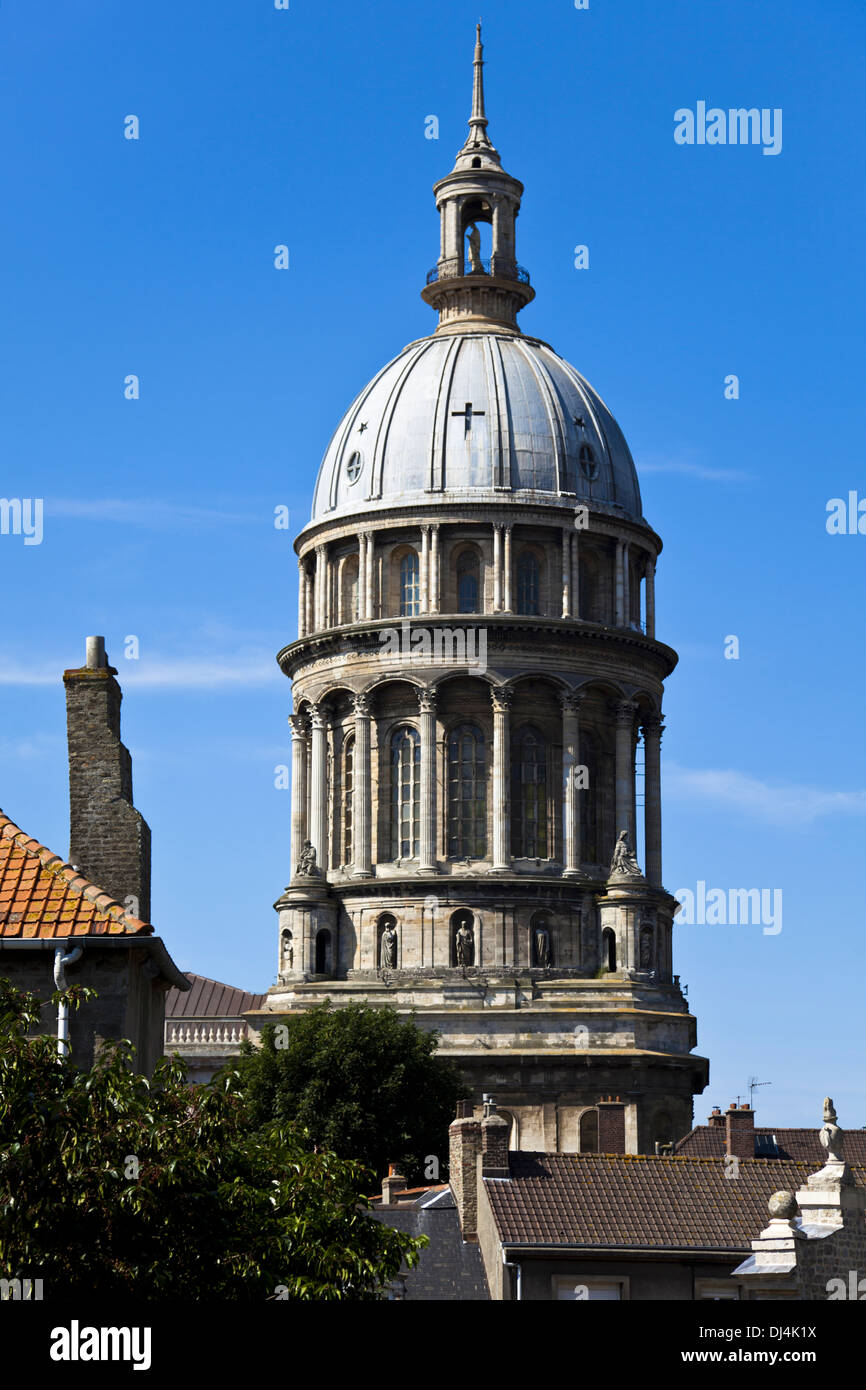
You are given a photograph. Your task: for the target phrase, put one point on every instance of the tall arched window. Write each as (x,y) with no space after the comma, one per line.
(409,585)
(349,611)
(528,794)
(467,583)
(608,949)
(588,1132)
(323,952)
(405,792)
(348,794)
(527,583)
(467,793)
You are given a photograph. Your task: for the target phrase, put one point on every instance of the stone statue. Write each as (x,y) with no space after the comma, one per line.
(646,949)
(475,266)
(542,946)
(623,861)
(464,944)
(307,866)
(388,948)
(288,950)
(830,1134)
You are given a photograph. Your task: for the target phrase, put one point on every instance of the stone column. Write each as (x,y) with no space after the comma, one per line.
(319,787)
(626,586)
(497,568)
(310,589)
(501,700)
(424,575)
(570,761)
(652,736)
(434,569)
(575,575)
(566,574)
(369,579)
(651,597)
(427,793)
(618,591)
(361,796)
(299,786)
(302,599)
(507,568)
(321,581)
(625,712)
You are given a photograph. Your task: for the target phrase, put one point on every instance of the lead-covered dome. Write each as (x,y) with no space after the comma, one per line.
(476,416)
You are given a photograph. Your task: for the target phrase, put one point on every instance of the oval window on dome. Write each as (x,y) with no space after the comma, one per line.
(588,461)
(354,467)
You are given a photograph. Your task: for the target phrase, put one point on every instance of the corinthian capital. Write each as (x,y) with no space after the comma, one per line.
(501,700)
(427,701)
(625,712)
(361,706)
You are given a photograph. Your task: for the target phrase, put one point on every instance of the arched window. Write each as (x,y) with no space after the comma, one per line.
(589,1132)
(323,952)
(349,611)
(608,949)
(528,795)
(467,583)
(467,793)
(405,792)
(409,585)
(527,583)
(348,793)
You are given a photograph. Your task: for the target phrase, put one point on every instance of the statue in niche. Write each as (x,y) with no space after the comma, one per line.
(388,948)
(624,863)
(288,950)
(307,867)
(541,938)
(475,266)
(464,943)
(646,949)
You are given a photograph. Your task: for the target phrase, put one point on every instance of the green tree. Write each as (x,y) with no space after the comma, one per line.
(362,1082)
(113,1184)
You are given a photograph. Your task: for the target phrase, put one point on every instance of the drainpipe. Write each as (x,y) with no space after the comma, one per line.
(60,963)
(509,1264)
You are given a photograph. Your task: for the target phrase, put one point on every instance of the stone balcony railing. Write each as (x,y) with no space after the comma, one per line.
(195,1033)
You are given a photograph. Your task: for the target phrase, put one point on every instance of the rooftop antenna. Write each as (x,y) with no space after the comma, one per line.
(753,1085)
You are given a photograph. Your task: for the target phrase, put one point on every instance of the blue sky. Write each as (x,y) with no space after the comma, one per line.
(306,127)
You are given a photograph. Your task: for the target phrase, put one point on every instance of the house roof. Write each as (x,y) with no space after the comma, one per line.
(450,1269)
(210,999)
(41,895)
(638,1200)
(802,1145)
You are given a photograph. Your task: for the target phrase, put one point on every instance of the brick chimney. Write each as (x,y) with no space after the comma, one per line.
(740,1131)
(464,1147)
(392,1185)
(611,1125)
(495,1133)
(715,1119)
(109,841)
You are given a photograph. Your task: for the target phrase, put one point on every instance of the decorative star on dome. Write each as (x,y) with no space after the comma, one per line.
(362,427)
(579,421)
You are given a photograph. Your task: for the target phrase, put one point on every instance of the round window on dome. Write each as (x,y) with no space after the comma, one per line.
(588,461)
(354,467)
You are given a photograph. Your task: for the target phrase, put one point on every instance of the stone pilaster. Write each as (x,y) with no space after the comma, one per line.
(361,793)
(319,787)
(652,735)
(501,700)
(427,794)
(625,713)
(570,763)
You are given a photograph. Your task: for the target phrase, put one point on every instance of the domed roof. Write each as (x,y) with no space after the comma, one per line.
(476,416)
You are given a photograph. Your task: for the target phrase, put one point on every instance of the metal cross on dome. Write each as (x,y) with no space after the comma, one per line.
(467,413)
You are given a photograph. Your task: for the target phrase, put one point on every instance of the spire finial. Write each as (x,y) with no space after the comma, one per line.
(478,137)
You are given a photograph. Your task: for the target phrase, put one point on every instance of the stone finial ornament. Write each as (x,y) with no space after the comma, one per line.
(782,1206)
(830,1134)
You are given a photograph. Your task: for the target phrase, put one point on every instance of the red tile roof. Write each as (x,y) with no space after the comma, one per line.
(802,1145)
(210,999)
(43,896)
(639,1201)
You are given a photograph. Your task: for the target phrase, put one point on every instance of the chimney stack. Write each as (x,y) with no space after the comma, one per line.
(740,1131)
(715,1119)
(611,1126)
(109,841)
(464,1147)
(495,1133)
(394,1183)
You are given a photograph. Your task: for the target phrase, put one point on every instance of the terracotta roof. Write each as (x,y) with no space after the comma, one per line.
(42,895)
(210,999)
(637,1200)
(802,1145)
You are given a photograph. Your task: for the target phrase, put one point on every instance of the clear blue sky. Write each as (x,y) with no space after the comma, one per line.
(306,127)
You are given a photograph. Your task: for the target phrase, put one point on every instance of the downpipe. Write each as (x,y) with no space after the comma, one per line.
(61,983)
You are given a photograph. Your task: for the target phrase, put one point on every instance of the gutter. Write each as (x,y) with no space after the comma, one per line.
(154,946)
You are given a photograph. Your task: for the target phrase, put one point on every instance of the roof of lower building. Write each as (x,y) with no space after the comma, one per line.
(210,999)
(802,1145)
(450,1269)
(639,1201)
(41,895)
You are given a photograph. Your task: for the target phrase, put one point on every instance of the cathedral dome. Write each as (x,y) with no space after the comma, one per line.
(477,416)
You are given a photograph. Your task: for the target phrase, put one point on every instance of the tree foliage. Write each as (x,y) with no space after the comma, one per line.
(361,1081)
(113,1184)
